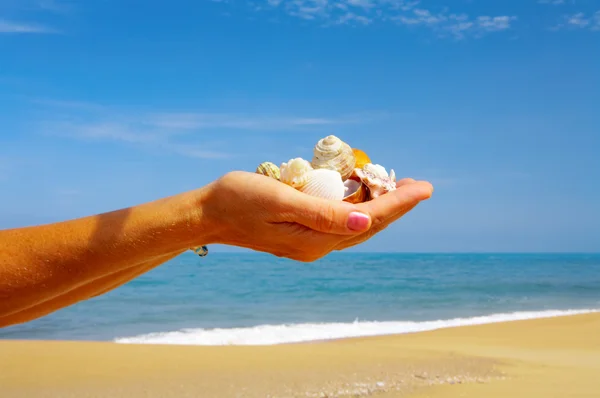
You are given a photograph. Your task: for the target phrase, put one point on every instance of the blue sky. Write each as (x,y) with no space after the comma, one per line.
(106,104)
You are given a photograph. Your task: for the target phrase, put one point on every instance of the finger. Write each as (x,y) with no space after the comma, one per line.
(395,203)
(381,224)
(404,181)
(323,215)
(375,229)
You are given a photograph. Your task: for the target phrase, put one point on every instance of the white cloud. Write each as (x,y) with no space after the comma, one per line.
(492,24)
(132,134)
(196,151)
(14,13)
(351,17)
(581,20)
(456,25)
(55,6)
(406,13)
(578,20)
(101,129)
(361,3)
(81,105)
(21,28)
(174,132)
(552,2)
(203,121)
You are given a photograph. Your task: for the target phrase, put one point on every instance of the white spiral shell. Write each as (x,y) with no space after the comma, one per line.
(334,154)
(295,172)
(324,183)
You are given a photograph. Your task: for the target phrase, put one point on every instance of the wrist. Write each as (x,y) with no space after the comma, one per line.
(188,223)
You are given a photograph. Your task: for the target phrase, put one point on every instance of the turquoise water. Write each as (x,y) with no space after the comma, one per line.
(260,299)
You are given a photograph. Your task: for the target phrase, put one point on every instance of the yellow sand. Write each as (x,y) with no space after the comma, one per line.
(556,357)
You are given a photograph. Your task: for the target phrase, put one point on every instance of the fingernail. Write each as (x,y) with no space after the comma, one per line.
(358,221)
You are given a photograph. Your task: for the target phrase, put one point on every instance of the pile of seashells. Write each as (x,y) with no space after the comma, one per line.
(337,171)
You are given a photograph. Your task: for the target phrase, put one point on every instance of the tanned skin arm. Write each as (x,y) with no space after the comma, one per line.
(48,267)
(95,288)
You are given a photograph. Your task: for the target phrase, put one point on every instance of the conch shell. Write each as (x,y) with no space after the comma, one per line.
(334,154)
(376,178)
(324,183)
(295,172)
(361,158)
(269,169)
(356,191)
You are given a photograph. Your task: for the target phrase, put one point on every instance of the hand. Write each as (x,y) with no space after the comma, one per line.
(395,206)
(257,212)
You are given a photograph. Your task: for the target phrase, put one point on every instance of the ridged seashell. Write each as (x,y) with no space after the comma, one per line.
(269,169)
(376,178)
(295,172)
(356,191)
(361,158)
(334,154)
(324,183)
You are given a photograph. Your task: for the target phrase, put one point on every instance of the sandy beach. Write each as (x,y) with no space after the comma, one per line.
(552,357)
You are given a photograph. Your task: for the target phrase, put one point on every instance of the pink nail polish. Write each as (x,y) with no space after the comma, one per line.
(358,221)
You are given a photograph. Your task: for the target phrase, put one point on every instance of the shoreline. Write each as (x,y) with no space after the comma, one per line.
(535,357)
(410,327)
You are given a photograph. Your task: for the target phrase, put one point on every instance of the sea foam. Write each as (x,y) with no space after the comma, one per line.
(297,333)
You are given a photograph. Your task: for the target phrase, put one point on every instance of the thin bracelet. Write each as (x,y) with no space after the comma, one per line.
(202,251)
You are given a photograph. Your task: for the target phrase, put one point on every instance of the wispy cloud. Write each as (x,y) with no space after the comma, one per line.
(130,134)
(80,105)
(580,20)
(37,6)
(174,132)
(350,17)
(103,130)
(552,2)
(201,121)
(402,12)
(456,25)
(56,6)
(14,27)
(16,16)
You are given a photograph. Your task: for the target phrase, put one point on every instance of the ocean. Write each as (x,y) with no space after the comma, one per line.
(256,299)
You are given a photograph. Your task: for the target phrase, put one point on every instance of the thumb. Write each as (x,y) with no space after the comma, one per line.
(327,216)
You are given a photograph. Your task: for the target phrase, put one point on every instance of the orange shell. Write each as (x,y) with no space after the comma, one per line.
(361,158)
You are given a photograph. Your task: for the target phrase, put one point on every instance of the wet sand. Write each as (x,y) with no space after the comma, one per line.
(554,357)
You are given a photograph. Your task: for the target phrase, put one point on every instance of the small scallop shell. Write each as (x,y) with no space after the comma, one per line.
(324,183)
(356,191)
(361,158)
(269,169)
(376,178)
(295,172)
(334,154)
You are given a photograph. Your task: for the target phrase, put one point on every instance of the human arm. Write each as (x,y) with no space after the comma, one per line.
(51,266)
(45,268)
(96,287)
